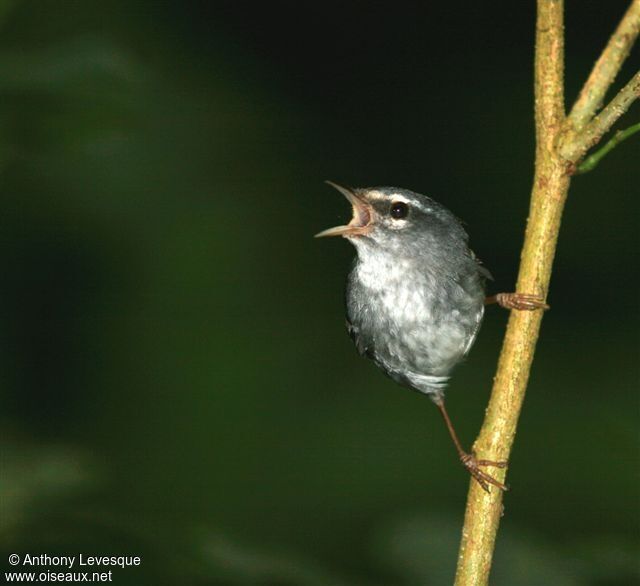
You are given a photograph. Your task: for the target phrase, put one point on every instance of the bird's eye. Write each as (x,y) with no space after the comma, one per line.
(399,210)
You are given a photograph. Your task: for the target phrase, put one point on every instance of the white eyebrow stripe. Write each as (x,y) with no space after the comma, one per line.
(393,197)
(379,196)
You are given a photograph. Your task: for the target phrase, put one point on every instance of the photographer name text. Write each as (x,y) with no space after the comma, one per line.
(80,560)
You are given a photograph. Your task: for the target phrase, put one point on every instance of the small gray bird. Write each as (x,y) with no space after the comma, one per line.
(416,294)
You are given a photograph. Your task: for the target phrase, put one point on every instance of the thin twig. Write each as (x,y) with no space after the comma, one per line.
(591,162)
(576,146)
(606,68)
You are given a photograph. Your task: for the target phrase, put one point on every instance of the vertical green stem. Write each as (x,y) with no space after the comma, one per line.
(550,187)
(561,143)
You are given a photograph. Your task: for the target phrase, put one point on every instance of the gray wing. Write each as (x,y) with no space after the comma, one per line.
(474,335)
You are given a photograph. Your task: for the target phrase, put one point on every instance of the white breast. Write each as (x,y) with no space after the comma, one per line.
(385,278)
(410,324)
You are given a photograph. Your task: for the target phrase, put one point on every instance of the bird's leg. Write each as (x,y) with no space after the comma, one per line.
(469,460)
(522,301)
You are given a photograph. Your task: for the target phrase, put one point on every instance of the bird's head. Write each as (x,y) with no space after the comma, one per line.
(391,217)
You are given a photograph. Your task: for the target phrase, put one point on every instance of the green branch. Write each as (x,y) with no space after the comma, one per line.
(574,146)
(561,143)
(592,161)
(549,192)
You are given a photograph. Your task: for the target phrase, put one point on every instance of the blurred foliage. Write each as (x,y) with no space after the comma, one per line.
(177,381)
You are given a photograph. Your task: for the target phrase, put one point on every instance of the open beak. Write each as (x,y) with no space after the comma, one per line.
(361,221)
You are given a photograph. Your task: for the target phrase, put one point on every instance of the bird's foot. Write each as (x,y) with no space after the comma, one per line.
(473,465)
(522,301)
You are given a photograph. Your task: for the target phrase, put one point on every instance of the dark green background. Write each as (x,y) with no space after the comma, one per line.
(176,378)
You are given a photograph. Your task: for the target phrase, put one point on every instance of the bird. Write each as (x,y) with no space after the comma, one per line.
(415,295)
